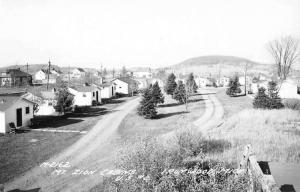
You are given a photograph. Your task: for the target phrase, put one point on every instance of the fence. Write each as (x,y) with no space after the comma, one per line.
(261,179)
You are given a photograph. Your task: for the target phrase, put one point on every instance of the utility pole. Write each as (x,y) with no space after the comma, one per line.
(69,76)
(48,72)
(27,74)
(246,66)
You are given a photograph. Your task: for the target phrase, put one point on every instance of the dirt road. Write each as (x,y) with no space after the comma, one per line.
(213,115)
(86,159)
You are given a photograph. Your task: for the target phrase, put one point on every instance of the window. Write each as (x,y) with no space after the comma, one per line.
(298,90)
(27,110)
(83,95)
(93,94)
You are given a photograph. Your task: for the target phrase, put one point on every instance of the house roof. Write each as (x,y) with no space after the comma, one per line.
(80,69)
(83,88)
(17,73)
(126,80)
(7,100)
(106,84)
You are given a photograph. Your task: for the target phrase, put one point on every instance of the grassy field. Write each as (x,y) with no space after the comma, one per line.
(171,116)
(233,105)
(272,133)
(22,151)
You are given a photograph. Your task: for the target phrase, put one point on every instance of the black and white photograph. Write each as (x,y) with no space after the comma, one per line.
(149,95)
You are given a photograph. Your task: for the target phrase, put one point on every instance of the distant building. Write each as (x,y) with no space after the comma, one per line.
(78,73)
(142,74)
(14,78)
(42,75)
(125,85)
(242,80)
(203,82)
(223,81)
(14,109)
(85,95)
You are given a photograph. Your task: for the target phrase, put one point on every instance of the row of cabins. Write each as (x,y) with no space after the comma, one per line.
(17,77)
(18,107)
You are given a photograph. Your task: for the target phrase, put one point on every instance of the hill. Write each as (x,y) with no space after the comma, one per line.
(215,65)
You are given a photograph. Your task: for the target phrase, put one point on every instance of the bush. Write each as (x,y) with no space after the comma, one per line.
(293,104)
(152,159)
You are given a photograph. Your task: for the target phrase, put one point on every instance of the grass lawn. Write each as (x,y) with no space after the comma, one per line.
(23,151)
(171,116)
(233,105)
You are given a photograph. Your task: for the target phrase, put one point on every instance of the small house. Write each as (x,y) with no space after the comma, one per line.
(78,73)
(223,81)
(14,78)
(14,109)
(125,85)
(85,95)
(108,90)
(289,89)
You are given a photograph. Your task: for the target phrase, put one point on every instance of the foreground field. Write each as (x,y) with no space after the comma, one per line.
(274,135)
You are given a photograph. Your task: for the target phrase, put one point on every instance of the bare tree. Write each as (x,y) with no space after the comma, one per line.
(285,52)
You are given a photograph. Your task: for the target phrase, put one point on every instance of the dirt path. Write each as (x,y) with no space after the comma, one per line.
(213,115)
(90,154)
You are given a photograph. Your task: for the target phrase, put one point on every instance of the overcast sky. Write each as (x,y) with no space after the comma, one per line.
(140,33)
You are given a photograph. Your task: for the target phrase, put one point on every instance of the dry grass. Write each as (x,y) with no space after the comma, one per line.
(270,132)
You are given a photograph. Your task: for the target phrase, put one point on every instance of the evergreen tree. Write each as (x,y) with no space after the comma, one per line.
(170,84)
(157,95)
(233,87)
(261,100)
(191,84)
(275,100)
(147,107)
(64,98)
(180,93)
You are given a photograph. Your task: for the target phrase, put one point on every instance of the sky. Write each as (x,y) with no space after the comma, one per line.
(152,33)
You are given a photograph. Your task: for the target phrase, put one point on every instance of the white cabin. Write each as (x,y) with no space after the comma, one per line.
(14,109)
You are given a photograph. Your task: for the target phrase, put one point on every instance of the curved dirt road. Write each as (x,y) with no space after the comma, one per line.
(90,154)
(213,115)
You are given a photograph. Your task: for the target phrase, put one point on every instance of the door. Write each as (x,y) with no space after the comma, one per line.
(19,117)
(97,96)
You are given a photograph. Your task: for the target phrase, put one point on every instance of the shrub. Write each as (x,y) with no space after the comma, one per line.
(293,104)
(152,160)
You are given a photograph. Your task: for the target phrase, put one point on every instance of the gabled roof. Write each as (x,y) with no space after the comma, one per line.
(126,80)
(83,88)
(80,69)
(17,73)
(7,100)
(106,84)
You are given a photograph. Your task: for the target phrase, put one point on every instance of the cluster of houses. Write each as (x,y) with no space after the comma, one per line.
(289,88)
(18,105)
